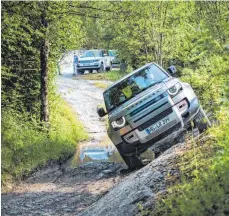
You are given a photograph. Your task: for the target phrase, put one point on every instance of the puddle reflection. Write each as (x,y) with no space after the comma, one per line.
(104,151)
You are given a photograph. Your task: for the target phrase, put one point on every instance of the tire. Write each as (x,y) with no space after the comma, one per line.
(109,68)
(80,72)
(132,161)
(201,121)
(90,71)
(101,69)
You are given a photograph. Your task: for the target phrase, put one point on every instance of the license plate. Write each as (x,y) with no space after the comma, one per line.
(157,125)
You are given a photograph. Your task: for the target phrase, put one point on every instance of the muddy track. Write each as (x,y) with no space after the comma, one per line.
(69,188)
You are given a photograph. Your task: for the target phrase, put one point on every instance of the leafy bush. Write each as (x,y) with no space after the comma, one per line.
(27,145)
(209,80)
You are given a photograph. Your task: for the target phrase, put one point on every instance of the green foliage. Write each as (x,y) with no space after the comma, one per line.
(209,80)
(27,145)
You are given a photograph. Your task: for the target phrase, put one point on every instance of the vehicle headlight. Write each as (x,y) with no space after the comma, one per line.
(96,60)
(174,90)
(119,123)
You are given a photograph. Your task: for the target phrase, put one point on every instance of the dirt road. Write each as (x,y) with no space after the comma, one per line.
(69,188)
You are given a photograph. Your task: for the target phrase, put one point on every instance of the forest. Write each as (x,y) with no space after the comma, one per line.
(39,126)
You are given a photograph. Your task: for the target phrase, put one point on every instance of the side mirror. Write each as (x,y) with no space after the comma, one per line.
(172,70)
(101,112)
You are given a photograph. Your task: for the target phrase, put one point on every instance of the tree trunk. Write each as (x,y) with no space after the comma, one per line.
(44,53)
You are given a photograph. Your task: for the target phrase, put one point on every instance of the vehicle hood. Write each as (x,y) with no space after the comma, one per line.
(142,98)
(90,58)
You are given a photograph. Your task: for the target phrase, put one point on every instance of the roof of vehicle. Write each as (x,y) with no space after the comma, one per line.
(128,75)
(95,50)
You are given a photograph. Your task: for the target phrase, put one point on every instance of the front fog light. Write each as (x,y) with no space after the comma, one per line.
(119,123)
(174,89)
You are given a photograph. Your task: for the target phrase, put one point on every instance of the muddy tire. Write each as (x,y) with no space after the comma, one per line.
(133,161)
(201,121)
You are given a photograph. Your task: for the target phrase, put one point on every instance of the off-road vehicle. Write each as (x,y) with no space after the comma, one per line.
(94,60)
(146,107)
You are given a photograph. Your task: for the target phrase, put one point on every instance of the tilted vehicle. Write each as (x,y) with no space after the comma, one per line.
(145,107)
(94,60)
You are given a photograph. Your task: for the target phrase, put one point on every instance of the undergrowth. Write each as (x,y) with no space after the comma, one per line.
(27,145)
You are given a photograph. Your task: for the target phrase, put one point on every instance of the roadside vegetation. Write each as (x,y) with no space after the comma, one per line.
(37,125)
(110,76)
(27,145)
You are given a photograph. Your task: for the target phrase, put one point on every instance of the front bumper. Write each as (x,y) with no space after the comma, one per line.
(139,140)
(88,67)
(175,116)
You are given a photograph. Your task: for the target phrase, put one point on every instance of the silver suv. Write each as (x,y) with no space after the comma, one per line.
(145,107)
(94,60)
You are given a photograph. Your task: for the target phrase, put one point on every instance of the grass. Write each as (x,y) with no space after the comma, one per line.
(26,145)
(101,85)
(110,76)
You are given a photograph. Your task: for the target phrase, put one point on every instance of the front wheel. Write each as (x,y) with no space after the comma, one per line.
(80,72)
(109,68)
(133,161)
(101,69)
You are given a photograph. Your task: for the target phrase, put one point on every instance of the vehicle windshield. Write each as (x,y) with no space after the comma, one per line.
(133,85)
(112,53)
(92,53)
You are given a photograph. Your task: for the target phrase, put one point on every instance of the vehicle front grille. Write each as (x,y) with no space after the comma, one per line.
(151,102)
(155,119)
(136,120)
(86,61)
